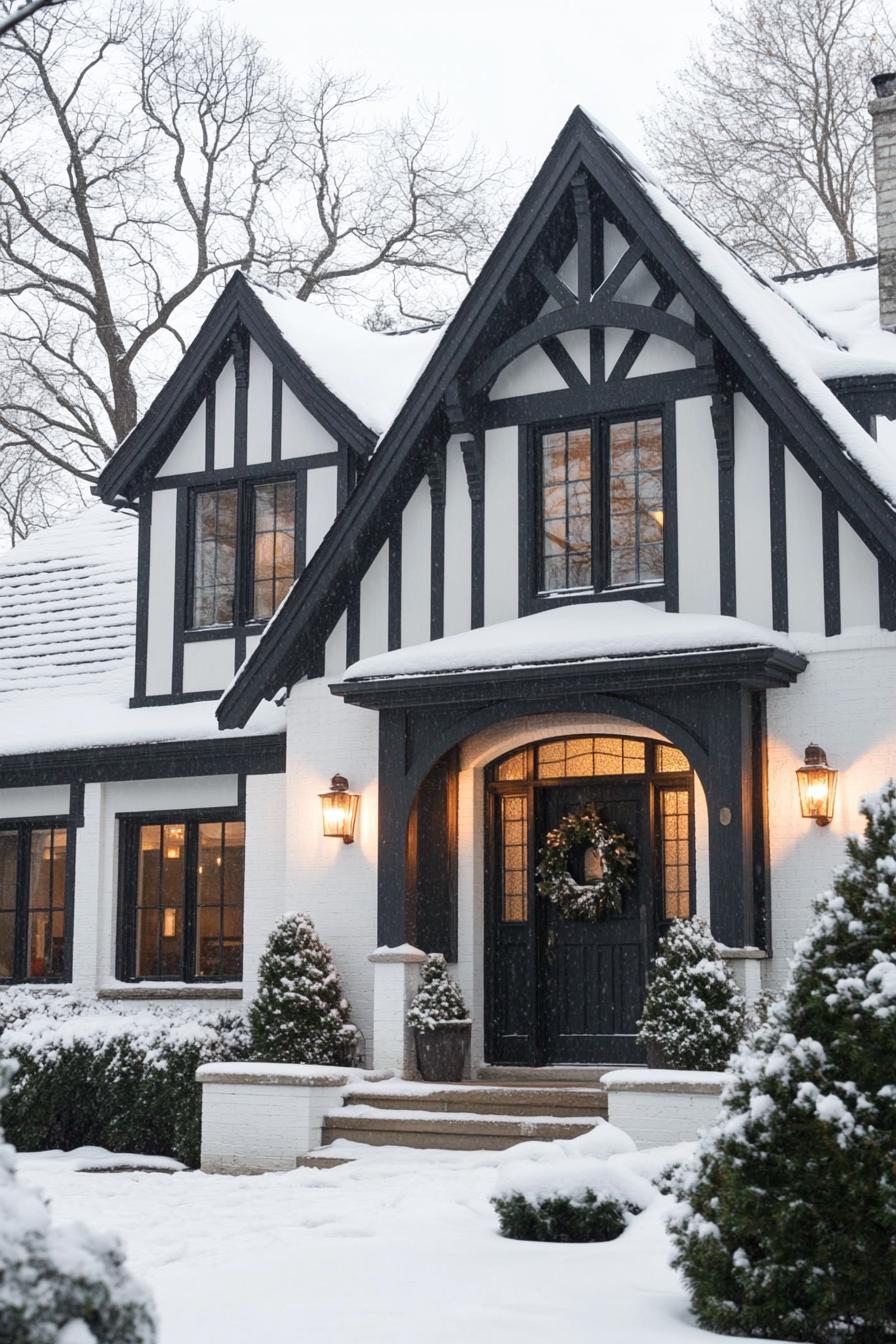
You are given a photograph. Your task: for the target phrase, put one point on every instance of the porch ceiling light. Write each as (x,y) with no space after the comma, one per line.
(818,786)
(339,810)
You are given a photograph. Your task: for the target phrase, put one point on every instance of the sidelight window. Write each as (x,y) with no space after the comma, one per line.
(33,914)
(675,852)
(514,857)
(184,899)
(601,508)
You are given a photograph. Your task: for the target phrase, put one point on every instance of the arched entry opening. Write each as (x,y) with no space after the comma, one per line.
(570,991)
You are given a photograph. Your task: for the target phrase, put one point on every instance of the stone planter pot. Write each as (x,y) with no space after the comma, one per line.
(442,1051)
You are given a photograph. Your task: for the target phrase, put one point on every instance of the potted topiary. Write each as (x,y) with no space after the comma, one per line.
(440,1023)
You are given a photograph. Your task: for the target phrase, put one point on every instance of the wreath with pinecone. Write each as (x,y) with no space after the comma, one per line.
(615,862)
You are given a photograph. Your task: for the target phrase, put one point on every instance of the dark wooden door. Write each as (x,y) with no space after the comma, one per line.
(590,975)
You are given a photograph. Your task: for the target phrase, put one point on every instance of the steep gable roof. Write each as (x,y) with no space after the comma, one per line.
(351,379)
(784,356)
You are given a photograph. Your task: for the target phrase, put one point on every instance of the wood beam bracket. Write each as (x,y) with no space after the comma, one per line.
(474,466)
(434,466)
(722,412)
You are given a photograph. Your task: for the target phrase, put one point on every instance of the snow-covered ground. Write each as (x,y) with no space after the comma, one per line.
(397,1246)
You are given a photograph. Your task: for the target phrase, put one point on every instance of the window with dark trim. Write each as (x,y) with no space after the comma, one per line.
(33,901)
(182,898)
(600,508)
(242,551)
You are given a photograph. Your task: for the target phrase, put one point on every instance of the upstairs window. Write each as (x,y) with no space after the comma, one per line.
(243,552)
(601,505)
(33,915)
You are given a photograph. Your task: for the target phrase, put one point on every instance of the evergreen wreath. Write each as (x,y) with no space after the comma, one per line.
(592,900)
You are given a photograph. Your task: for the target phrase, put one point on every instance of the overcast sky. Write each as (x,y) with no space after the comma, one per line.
(510,70)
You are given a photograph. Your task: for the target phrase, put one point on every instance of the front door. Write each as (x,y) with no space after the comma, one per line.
(592,973)
(571,991)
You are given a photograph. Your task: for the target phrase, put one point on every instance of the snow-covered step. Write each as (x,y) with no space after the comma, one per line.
(467,1130)
(480,1099)
(550,1076)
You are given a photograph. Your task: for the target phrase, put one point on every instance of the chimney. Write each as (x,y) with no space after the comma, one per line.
(883,133)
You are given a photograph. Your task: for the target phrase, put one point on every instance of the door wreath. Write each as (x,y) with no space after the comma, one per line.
(613,861)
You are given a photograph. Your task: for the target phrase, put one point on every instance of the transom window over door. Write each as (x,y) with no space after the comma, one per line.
(601,510)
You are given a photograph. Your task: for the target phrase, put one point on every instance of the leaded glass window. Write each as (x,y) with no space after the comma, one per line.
(675,852)
(566,510)
(274,546)
(33,913)
(186,890)
(514,860)
(215,515)
(601,509)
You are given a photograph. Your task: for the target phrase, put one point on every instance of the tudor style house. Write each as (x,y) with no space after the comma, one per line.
(621,538)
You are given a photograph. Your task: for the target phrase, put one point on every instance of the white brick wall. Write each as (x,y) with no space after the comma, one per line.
(333,883)
(844,701)
(654,1118)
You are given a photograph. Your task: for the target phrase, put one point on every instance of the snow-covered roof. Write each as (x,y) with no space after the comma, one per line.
(370,371)
(67,631)
(585,632)
(806,354)
(843,301)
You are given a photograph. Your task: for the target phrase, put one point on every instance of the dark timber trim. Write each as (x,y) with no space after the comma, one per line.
(474,465)
(705,703)
(238,307)
(435,472)
(210,428)
(394,587)
(239,341)
(670,507)
(830,550)
(777,500)
(276,415)
(141,644)
(263,755)
(722,411)
(182,569)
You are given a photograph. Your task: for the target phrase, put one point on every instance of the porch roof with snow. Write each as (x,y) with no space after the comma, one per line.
(608,642)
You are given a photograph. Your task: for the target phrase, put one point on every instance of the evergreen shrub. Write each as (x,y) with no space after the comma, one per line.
(567,1200)
(300,1015)
(123,1081)
(57,1277)
(438,998)
(786,1225)
(694,1011)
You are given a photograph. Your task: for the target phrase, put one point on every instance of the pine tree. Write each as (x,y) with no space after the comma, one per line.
(694,1010)
(787,1225)
(54,1277)
(300,1015)
(438,998)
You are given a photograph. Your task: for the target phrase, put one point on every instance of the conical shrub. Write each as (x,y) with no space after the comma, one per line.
(787,1223)
(694,1011)
(300,1015)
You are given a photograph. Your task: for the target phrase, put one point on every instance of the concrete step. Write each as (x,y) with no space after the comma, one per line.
(482,1099)
(321,1161)
(468,1131)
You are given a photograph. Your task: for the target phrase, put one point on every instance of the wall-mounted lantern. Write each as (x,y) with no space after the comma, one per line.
(818,786)
(339,810)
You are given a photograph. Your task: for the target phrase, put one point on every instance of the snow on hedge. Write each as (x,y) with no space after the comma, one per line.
(62,1285)
(572,1178)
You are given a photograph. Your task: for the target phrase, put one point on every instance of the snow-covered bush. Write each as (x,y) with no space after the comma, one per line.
(694,1011)
(567,1199)
(58,1282)
(787,1221)
(91,1074)
(438,998)
(300,1015)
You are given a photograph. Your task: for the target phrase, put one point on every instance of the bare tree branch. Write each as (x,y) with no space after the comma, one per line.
(11,15)
(766,132)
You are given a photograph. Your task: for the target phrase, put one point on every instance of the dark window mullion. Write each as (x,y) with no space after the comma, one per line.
(23,882)
(600,505)
(191,861)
